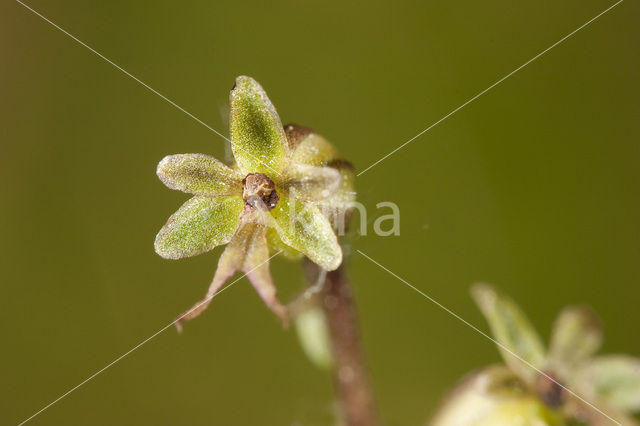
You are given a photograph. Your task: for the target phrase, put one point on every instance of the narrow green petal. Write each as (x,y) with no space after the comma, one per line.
(201,224)
(512,329)
(256,266)
(311,183)
(246,252)
(614,379)
(576,336)
(199,174)
(228,264)
(257,137)
(304,227)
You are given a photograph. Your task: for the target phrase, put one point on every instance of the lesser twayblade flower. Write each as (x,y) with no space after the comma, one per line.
(518,394)
(286,190)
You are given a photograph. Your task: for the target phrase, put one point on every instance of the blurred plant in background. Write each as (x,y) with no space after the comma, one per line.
(535,387)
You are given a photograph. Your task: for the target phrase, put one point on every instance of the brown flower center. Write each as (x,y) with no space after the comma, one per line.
(259,192)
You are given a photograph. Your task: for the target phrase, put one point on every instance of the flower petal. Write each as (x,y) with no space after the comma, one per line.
(309,147)
(276,243)
(512,329)
(614,379)
(201,224)
(228,264)
(303,227)
(256,266)
(247,252)
(311,183)
(576,336)
(257,137)
(199,174)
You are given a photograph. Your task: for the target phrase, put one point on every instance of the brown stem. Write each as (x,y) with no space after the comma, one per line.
(351,377)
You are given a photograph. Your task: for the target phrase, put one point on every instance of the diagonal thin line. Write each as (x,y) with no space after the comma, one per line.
(125,71)
(449,311)
(492,86)
(91,377)
(138,80)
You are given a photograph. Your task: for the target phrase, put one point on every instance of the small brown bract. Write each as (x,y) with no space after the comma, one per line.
(259,192)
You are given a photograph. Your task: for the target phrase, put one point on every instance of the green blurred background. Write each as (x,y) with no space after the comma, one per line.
(533,187)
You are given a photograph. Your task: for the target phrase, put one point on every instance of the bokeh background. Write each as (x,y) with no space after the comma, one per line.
(533,187)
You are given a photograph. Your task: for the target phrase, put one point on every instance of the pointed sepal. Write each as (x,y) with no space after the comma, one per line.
(201,224)
(512,329)
(575,337)
(303,227)
(247,252)
(199,174)
(257,137)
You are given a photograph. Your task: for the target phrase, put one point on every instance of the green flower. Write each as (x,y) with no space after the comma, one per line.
(517,393)
(286,191)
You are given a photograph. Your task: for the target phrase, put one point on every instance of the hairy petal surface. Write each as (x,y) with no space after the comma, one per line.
(304,227)
(309,147)
(311,183)
(614,379)
(199,174)
(276,243)
(246,252)
(257,137)
(511,328)
(576,336)
(201,224)
(256,266)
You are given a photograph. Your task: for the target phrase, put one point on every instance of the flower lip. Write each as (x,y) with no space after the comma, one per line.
(259,192)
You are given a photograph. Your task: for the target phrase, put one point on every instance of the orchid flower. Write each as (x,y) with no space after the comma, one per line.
(285,192)
(566,384)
